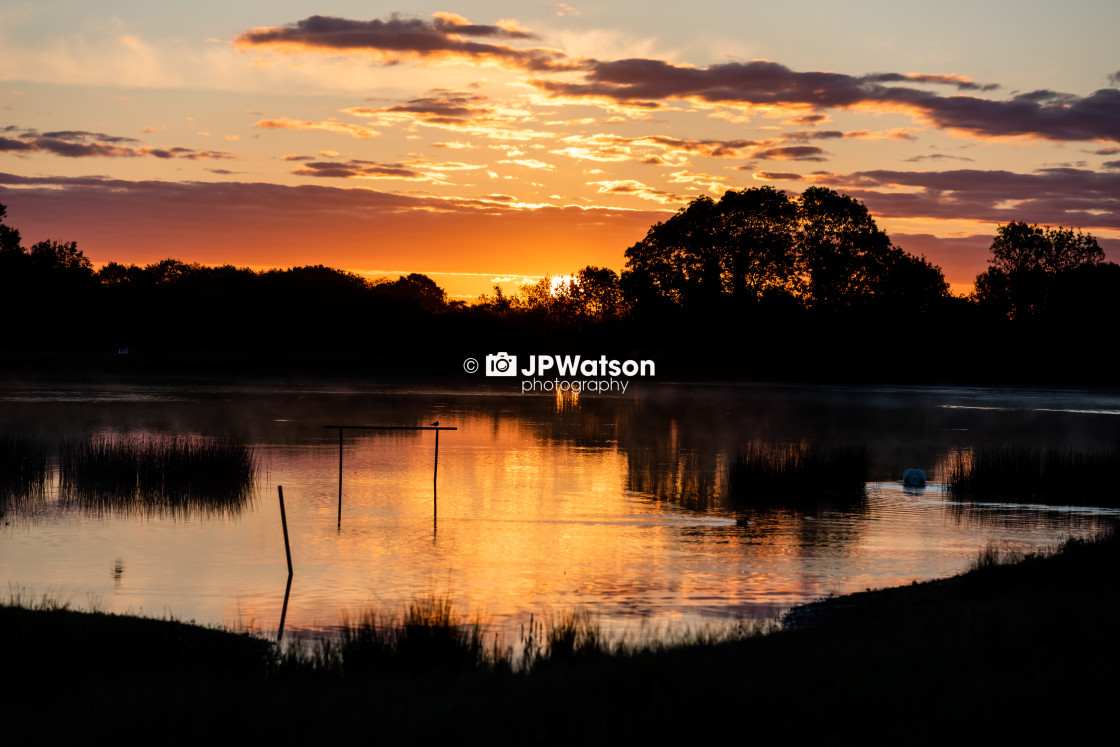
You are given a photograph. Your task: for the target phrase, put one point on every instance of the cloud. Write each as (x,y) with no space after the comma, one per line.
(84,144)
(791,153)
(1042,114)
(938,157)
(961,82)
(808,120)
(634,188)
(776,176)
(1111,164)
(530,163)
(359,169)
(342,128)
(1051,196)
(447,37)
(233,222)
(458,111)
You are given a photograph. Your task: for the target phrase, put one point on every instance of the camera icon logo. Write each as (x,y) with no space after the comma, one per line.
(501,364)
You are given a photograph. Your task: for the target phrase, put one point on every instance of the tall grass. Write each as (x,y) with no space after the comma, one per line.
(429,636)
(23,471)
(796,474)
(432,636)
(1024,474)
(157,475)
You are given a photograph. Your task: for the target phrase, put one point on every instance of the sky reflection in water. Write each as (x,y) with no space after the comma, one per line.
(544,505)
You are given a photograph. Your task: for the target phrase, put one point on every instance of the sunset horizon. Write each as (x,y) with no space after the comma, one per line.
(542,139)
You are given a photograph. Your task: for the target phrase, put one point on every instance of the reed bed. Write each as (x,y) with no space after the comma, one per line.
(157,475)
(432,636)
(24,467)
(1024,474)
(797,475)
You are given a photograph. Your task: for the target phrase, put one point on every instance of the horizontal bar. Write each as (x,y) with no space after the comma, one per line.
(395,427)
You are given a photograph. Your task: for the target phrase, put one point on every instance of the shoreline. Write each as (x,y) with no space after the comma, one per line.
(1004,649)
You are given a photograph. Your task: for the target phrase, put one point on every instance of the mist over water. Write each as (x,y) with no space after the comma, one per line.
(545,503)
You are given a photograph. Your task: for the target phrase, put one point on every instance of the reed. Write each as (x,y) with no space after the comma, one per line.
(157,475)
(796,474)
(1023,474)
(430,636)
(23,471)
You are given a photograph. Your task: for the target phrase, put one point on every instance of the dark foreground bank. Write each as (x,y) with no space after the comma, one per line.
(1002,652)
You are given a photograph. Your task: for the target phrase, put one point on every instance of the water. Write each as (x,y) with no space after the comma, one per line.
(545,505)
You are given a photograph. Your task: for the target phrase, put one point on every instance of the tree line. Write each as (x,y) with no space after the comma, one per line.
(758,283)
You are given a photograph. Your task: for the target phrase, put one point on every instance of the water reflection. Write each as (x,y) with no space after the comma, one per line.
(545,502)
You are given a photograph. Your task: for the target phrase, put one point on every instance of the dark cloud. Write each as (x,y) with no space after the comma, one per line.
(357,168)
(440,108)
(86,136)
(791,153)
(1114,78)
(398,39)
(939,157)
(801,136)
(1111,164)
(10,145)
(778,176)
(1106,151)
(1051,196)
(82,144)
(1044,114)
(961,83)
(808,119)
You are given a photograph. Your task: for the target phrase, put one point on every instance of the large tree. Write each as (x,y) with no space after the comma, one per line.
(1018,247)
(741,247)
(1028,263)
(822,247)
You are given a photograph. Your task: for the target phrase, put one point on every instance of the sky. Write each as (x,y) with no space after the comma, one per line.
(495,142)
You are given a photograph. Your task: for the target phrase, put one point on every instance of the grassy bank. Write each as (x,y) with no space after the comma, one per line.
(1003,652)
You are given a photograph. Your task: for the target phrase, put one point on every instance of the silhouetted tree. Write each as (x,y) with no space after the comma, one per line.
(60,256)
(1028,264)
(9,237)
(1018,247)
(844,256)
(417,289)
(759,244)
(738,247)
(599,293)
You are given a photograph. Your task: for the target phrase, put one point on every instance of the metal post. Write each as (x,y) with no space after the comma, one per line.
(435,474)
(288,552)
(284,521)
(340,478)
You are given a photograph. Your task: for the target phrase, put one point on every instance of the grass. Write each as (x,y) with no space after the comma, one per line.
(432,636)
(1023,474)
(23,471)
(157,475)
(1006,652)
(796,475)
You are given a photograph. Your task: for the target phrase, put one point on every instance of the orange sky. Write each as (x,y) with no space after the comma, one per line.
(493,142)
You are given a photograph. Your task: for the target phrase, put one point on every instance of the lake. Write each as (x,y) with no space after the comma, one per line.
(546,503)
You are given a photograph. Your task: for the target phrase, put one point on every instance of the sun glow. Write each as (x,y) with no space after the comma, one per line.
(560,283)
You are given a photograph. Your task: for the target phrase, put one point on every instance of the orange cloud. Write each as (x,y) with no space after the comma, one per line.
(342,128)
